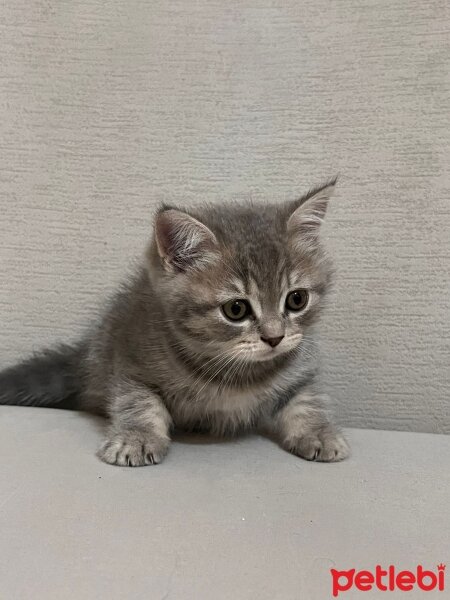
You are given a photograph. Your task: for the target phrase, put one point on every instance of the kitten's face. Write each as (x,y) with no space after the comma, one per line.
(243,284)
(252,319)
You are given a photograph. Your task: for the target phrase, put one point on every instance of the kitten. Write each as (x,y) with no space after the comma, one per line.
(215,332)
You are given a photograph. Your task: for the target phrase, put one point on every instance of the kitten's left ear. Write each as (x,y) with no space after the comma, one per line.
(183,242)
(304,223)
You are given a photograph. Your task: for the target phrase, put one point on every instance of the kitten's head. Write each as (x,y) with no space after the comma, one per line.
(242,281)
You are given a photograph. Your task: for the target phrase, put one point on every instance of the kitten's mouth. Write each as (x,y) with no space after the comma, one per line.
(270,354)
(258,353)
(264,354)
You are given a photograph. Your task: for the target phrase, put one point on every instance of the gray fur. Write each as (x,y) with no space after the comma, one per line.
(165,356)
(50,378)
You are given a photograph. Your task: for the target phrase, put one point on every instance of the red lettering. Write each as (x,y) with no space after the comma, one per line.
(379,574)
(441,579)
(364,581)
(337,585)
(405,581)
(383,580)
(421,575)
(391,578)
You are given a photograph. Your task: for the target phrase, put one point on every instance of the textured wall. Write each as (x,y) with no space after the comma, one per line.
(109,107)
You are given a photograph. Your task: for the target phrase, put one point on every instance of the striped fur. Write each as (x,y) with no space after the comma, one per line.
(164,354)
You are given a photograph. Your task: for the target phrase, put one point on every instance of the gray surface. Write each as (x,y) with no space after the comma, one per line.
(216,521)
(107,108)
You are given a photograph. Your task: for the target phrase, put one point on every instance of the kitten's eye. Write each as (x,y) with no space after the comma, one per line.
(297,300)
(236,310)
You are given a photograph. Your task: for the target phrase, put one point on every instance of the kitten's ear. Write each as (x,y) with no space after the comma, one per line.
(183,242)
(304,223)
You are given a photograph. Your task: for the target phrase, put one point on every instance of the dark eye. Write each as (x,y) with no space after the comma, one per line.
(297,300)
(236,310)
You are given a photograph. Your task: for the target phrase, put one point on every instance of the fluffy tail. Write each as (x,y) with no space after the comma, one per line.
(50,378)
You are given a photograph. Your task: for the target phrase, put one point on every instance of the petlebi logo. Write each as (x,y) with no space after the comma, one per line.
(388,580)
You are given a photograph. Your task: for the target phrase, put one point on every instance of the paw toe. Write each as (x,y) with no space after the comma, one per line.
(132,451)
(324,446)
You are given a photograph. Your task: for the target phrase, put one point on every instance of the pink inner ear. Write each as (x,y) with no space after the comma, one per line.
(306,220)
(311,215)
(164,236)
(183,242)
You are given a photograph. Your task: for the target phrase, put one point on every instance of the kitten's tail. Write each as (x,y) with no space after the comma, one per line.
(50,378)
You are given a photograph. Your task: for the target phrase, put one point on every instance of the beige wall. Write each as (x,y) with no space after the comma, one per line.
(109,107)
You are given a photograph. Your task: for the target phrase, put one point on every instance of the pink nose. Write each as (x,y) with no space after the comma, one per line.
(272,341)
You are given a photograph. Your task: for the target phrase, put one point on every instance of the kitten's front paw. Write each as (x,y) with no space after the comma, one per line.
(133,449)
(325,445)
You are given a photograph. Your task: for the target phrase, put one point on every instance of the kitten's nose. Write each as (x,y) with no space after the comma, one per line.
(272,341)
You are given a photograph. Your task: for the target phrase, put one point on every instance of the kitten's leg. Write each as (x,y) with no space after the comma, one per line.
(304,428)
(140,427)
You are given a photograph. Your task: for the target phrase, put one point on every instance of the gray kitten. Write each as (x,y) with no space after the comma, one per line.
(214,333)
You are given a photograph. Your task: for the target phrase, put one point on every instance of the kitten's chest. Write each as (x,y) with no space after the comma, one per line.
(221,409)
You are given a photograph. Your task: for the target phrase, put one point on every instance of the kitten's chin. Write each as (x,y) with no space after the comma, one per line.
(266,355)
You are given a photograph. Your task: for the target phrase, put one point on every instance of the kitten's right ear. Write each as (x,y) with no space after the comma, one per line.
(304,223)
(183,242)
